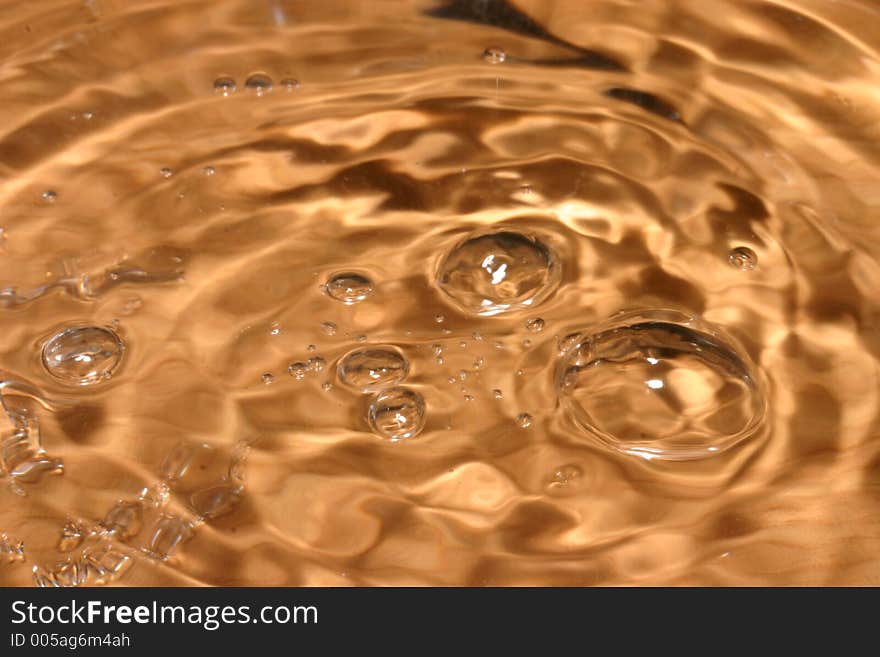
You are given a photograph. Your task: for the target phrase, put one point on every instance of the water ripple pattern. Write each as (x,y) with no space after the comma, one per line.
(452,292)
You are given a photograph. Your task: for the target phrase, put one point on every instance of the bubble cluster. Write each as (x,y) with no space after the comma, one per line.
(498,272)
(661,385)
(372,368)
(348,287)
(83,355)
(397,413)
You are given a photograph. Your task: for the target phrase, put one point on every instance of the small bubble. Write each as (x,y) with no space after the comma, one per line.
(462,375)
(437,349)
(289,84)
(50,196)
(326,386)
(348,287)
(84,355)
(478,362)
(440,360)
(524,420)
(328,328)
(298,370)
(224,86)
(397,413)
(463,344)
(317,364)
(498,344)
(526,343)
(259,83)
(361,338)
(373,368)
(563,478)
(274,329)
(476,335)
(165,172)
(497,393)
(469,398)
(208,171)
(311,348)
(268,378)
(742,257)
(439,318)
(494,55)
(71,536)
(519,372)
(87,116)
(451,379)
(535,325)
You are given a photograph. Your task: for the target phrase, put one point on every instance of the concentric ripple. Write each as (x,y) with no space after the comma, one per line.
(498,272)
(661,385)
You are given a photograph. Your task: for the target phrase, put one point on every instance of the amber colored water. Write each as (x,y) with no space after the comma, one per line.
(440,293)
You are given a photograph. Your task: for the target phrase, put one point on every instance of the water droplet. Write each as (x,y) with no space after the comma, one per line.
(462,375)
(311,348)
(71,537)
(469,398)
(660,384)
(328,328)
(166,172)
(497,393)
(169,533)
(83,355)
(177,462)
(742,257)
(494,55)
(372,368)
(208,171)
(317,364)
(289,84)
(124,519)
(439,318)
(298,370)
(478,362)
(564,478)
(524,420)
(397,413)
(535,325)
(217,500)
(259,83)
(274,329)
(224,86)
(437,349)
(267,378)
(50,196)
(493,273)
(348,287)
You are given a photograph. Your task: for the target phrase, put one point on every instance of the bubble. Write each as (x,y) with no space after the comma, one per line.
(125,519)
(289,84)
(564,478)
(267,378)
(439,318)
(494,55)
(217,500)
(372,368)
(83,355)
(259,83)
(208,171)
(170,532)
(524,420)
(535,325)
(661,385)
(224,86)
(50,196)
(328,328)
(397,413)
(326,386)
(298,370)
(492,273)
(165,172)
(348,287)
(497,394)
(316,364)
(742,257)
(71,537)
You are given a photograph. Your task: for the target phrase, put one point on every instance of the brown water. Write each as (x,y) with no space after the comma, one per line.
(474,293)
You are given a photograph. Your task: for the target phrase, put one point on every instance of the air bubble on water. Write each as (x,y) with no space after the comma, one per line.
(451,379)
(526,343)
(524,420)
(217,500)
(497,344)
(275,328)
(316,364)
(326,386)
(497,394)
(166,172)
(535,325)
(298,370)
(348,287)
(312,348)
(476,335)
(497,272)
(208,171)
(661,385)
(564,343)
(469,398)
(289,84)
(439,318)
(224,86)
(564,478)
(463,344)
(268,378)
(478,362)
(372,368)
(124,519)
(83,355)
(494,55)
(258,83)
(397,413)
(742,257)
(50,196)
(328,328)
(437,349)
(520,372)
(447,331)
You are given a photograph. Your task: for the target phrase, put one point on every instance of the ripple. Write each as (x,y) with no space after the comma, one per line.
(497,272)
(83,355)
(397,414)
(661,385)
(372,368)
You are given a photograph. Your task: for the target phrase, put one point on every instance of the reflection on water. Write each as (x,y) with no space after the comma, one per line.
(439,292)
